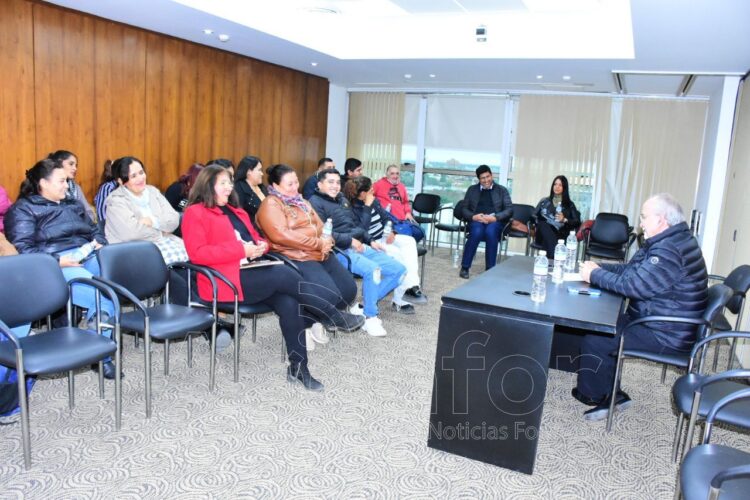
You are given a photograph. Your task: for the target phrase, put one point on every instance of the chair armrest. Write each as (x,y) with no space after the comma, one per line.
(104,288)
(667,319)
(217,275)
(737,472)
(5,332)
(286,260)
(717,336)
(343,254)
(123,292)
(208,273)
(717,277)
(718,377)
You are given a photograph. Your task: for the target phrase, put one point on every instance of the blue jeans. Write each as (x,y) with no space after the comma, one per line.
(85,296)
(490,234)
(364,264)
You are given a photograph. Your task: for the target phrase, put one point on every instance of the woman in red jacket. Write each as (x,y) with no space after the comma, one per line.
(218,234)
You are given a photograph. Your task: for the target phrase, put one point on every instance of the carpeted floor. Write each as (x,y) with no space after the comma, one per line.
(364,437)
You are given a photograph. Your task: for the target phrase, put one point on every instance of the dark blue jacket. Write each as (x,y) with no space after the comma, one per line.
(363,215)
(667,277)
(502,205)
(35,224)
(339,210)
(310,186)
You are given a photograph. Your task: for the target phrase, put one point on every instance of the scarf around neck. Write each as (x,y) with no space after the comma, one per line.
(295,201)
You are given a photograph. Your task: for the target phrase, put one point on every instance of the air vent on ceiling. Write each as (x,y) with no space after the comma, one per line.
(319,10)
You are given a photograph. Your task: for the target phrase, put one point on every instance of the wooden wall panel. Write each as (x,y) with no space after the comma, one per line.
(120,92)
(103,90)
(17,135)
(64,88)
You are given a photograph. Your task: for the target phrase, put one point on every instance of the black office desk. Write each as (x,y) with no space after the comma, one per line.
(493,353)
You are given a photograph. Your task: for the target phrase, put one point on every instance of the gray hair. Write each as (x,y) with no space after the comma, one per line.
(392,165)
(666,205)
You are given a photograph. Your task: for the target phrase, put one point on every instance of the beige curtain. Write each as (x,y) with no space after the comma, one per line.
(376,126)
(658,150)
(566,135)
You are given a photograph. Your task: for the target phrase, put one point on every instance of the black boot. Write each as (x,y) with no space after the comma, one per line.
(298,372)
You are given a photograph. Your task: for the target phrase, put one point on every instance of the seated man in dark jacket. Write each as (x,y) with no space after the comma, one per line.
(380,273)
(667,277)
(487,208)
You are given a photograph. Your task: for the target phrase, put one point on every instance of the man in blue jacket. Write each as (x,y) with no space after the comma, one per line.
(666,277)
(487,208)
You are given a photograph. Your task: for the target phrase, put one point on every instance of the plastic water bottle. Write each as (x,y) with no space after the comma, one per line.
(328,228)
(558,208)
(387,230)
(561,258)
(539,285)
(83,251)
(572,245)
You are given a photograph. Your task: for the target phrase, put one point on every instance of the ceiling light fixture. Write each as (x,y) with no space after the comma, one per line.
(566,77)
(432,75)
(208,32)
(313,64)
(223,37)
(539,77)
(407,75)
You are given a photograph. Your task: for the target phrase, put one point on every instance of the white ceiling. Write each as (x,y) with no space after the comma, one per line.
(525,38)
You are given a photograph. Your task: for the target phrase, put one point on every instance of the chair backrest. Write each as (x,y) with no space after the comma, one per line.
(136,265)
(458,211)
(522,213)
(33,286)
(739,281)
(610,230)
(426,203)
(718,296)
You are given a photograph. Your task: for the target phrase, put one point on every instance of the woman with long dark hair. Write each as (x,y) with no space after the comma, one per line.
(249,186)
(556,215)
(178,192)
(69,162)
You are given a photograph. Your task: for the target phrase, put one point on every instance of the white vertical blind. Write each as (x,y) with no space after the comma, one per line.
(376,129)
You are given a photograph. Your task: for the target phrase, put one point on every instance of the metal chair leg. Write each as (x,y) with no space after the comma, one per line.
(616,383)
(212,359)
(283,350)
(732,352)
(71,390)
(255,326)
(23,402)
(166,357)
(190,351)
(118,381)
(421,272)
(236,347)
(663,373)
(677,436)
(100,376)
(135,340)
(716,356)
(691,424)
(147,365)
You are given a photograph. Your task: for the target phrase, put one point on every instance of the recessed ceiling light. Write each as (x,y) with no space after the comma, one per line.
(223,37)
(313,64)
(208,32)
(432,75)
(566,77)
(407,75)
(539,77)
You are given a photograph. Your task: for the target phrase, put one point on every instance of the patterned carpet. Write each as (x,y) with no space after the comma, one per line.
(364,437)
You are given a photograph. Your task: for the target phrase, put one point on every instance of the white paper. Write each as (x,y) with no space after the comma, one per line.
(572,277)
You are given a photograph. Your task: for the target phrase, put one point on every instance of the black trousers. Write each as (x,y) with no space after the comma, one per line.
(547,236)
(279,288)
(330,280)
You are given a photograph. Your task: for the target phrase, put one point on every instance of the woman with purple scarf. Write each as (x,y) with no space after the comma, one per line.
(293,229)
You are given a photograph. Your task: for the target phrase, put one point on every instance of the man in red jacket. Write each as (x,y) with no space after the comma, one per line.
(391,191)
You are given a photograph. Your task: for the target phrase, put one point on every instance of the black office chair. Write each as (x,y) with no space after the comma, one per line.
(33,286)
(610,238)
(739,281)
(525,215)
(695,393)
(456,225)
(427,205)
(718,295)
(712,471)
(136,271)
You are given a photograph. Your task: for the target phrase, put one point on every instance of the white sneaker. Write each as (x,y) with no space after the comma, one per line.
(374,327)
(309,342)
(357,309)
(318,334)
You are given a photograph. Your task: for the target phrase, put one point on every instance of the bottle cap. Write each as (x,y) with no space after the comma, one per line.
(560,241)
(543,253)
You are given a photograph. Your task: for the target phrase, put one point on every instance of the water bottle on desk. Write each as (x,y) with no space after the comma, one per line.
(572,246)
(561,258)
(328,228)
(539,285)
(83,251)
(387,230)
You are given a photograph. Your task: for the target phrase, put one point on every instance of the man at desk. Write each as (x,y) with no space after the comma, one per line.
(487,208)
(666,277)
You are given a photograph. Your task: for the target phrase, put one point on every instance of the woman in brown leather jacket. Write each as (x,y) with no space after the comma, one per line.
(294,230)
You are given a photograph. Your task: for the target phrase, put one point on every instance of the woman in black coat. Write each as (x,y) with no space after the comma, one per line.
(556,216)
(249,185)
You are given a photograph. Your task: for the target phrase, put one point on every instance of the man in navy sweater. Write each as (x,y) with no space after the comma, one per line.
(666,277)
